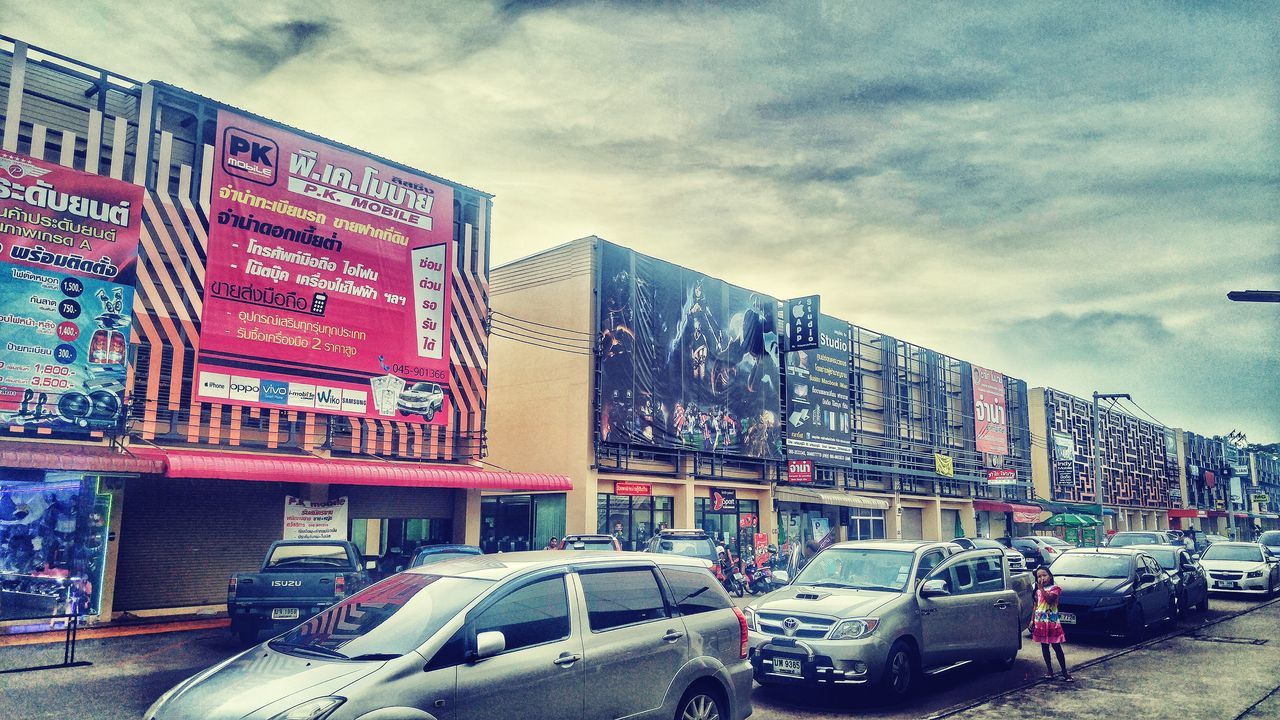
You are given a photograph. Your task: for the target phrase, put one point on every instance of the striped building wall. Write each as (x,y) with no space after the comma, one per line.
(64,111)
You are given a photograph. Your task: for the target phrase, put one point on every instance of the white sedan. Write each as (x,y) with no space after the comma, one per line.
(1241,567)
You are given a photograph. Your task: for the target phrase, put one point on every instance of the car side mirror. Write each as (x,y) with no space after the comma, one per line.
(1196,557)
(489,644)
(934,588)
(1146,577)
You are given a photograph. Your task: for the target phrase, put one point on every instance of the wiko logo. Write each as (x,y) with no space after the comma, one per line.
(250,156)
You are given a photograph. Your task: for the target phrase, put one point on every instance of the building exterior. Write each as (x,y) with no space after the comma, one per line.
(672,398)
(233,331)
(1140,466)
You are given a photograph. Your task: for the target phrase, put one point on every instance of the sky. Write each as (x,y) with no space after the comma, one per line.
(1063,192)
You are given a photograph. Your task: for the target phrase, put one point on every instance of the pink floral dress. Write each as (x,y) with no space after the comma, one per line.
(1046,624)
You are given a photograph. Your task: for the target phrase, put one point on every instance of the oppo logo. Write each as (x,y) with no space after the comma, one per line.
(237,387)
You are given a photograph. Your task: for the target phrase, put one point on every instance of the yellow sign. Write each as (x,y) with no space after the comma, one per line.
(944,465)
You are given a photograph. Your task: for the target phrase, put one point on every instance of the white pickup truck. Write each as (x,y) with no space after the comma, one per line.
(883,613)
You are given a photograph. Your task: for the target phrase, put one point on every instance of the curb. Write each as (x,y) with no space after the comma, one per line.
(125,630)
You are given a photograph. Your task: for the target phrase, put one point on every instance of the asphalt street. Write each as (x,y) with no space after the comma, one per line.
(1161,677)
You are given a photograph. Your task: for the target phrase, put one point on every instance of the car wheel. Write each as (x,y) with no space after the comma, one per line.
(1181,606)
(699,704)
(430,413)
(1135,624)
(899,671)
(1203,607)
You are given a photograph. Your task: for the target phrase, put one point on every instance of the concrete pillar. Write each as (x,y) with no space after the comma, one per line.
(684,515)
(466,517)
(106,593)
(932,520)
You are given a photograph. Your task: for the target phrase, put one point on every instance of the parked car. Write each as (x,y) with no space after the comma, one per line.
(1270,540)
(430,554)
(1029,550)
(1112,591)
(1126,539)
(882,613)
(590,542)
(690,543)
(1048,546)
(1017,563)
(298,579)
(1241,567)
(1190,583)
(469,635)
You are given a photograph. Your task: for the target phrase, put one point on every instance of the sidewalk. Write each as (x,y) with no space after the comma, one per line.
(1229,669)
(118,628)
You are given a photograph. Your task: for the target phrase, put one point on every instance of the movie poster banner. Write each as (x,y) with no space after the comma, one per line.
(328,280)
(68,262)
(818,425)
(990,422)
(688,361)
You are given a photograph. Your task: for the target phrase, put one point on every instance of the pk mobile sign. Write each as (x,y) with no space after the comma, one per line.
(68,261)
(327,287)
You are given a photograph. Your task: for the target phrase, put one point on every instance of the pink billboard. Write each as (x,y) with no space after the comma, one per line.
(327,282)
(990,423)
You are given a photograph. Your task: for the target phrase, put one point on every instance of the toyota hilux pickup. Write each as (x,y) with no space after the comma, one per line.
(885,613)
(298,579)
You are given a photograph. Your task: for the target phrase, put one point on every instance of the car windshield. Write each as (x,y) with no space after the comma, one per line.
(1056,542)
(1270,538)
(1091,565)
(1168,559)
(699,548)
(1126,539)
(1238,553)
(308,556)
(858,568)
(588,543)
(385,620)
(435,557)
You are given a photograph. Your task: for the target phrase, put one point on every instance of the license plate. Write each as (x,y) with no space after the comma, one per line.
(284,613)
(786,666)
(1226,584)
(1067,618)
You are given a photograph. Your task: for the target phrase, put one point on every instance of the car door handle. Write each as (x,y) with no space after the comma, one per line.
(672,636)
(1002,604)
(567,659)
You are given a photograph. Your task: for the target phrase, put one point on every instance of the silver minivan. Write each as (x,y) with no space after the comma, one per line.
(534,635)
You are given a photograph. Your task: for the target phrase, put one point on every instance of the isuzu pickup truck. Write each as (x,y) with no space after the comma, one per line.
(298,579)
(885,613)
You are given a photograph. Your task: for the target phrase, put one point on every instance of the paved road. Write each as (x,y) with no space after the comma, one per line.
(129,672)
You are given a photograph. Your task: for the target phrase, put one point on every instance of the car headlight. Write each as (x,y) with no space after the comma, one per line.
(854,629)
(751,619)
(317,709)
(1113,601)
(1255,574)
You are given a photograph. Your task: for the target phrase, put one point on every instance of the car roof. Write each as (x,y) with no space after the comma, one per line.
(1238,543)
(901,545)
(683,531)
(1129,550)
(500,566)
(1162,548)
(589,536)
(427,549)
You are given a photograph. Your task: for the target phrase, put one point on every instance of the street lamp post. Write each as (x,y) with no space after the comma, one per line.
(1099,488)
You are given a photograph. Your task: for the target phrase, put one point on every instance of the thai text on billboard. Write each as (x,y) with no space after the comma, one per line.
(327,286)
(310,520)
(990,423)
(687,361)
(818,424)
(68,261)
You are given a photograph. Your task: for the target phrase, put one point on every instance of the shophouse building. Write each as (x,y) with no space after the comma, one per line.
(672,398)
(1141,476)
(222,331)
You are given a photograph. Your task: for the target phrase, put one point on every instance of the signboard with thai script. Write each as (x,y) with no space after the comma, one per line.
(799,471)
(1002,477)
(68,261)
(327,286)
(632,488)
(818,412)
(990,424)
(308,520)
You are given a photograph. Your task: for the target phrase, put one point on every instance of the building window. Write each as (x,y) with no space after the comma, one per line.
(736,529)
(632,519)
(512,523)
(866,524)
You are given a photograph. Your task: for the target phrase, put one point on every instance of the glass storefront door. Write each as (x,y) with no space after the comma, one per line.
(633,519)
(736,529)
(514,523)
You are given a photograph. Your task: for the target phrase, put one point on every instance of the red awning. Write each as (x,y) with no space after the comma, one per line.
(272,468)
(1184,513)
(992,506)
(57,456)
(1244,516)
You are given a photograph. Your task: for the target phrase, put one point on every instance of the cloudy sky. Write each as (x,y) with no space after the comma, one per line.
(1061,191)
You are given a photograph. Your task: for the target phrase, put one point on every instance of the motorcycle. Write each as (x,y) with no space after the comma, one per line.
(730,578)
(759,578)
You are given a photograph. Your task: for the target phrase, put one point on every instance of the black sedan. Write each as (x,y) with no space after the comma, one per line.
(1190,582)
(1112,591)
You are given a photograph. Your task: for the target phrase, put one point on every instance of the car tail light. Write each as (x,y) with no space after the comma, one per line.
(231,587)
(1049,549)
(742,627)
(340,586)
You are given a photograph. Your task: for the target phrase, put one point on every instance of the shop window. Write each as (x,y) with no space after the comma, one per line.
(393,541)
(866,524)
(632,519)
(514,523)
(736,529)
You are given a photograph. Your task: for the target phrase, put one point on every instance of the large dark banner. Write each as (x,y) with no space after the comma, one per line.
(818,426)
(688,361)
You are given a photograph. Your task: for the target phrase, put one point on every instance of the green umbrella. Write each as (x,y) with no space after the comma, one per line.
(1072,520)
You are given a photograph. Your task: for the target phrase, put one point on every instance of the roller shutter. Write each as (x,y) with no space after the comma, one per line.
(912,523)
(181,539)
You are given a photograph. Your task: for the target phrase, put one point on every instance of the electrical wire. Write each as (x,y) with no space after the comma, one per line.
(511,330)
(496,313)
(499,334)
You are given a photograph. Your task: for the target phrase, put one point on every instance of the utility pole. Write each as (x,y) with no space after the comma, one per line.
(1099,488)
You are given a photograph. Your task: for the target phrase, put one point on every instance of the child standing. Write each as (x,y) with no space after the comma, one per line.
(1046,625)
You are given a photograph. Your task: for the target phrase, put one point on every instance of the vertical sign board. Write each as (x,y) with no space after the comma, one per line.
(1064,460)
(68,262)
(328,280)
(818,424)
(802,323)
(990,423)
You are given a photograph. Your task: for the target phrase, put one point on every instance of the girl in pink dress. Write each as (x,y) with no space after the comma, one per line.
(1046,624)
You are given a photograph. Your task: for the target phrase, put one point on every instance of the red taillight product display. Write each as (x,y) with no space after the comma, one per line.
(742,627)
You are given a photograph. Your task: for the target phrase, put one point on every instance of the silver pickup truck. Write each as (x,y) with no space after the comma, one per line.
(882,613)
